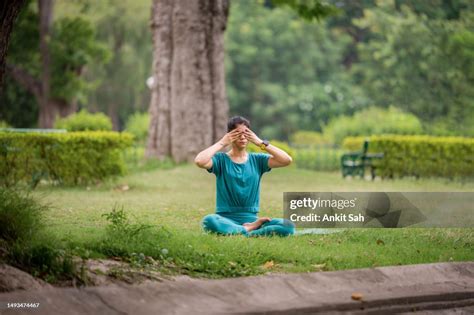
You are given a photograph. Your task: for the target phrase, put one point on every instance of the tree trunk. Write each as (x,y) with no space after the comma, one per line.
(61,107)
(47,109)
(114,116)
(188,107)
(8,12)
(159,141)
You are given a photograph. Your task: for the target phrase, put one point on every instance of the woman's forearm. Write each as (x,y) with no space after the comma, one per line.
(279,155)
(206,155)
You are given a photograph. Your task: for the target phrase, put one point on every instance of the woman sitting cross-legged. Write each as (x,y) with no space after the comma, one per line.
(238,175)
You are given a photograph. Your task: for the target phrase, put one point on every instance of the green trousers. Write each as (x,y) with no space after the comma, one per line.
(230,223)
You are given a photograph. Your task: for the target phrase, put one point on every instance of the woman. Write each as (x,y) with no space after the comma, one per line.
(238,175)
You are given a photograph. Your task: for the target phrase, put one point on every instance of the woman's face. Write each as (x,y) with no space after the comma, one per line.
(242,141)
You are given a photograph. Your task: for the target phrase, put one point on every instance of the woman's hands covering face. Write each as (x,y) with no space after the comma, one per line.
(252,137)
(231,136)
(237,133)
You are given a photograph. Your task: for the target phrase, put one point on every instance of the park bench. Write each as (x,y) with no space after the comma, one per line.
(355,163)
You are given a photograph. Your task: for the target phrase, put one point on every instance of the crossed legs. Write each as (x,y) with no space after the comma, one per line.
(221,224)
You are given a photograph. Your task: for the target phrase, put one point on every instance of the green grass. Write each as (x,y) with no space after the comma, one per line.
(173,201)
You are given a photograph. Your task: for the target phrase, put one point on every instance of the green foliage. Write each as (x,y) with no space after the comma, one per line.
(423,65)
(4,124)
(84,121)
(137,125)
(21,109)
(123,27)
(447,127)
(120,226)
(372,121)
(43,258)
(67,158)
(25,243)
(20,216)
(308,139)
(73,46)
(308,9)
(420,156)
(318,158)
(265,83)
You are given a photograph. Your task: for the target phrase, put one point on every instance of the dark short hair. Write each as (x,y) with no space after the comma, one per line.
(237,120)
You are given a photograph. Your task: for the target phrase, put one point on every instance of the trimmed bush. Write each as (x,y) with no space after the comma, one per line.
(420,156)
(84,121)
(318,159)
(4,124)
(65,158)
(373,121)
(137,124)
(308,139)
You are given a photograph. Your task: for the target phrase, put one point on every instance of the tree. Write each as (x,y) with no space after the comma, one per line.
(285,73)
(53,74)
(188,108)
(9,10)
(123,27)
(48,110)
(419,64)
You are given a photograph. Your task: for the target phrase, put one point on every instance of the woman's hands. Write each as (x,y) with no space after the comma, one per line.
(252,137)
(240,135)
(235,135)
(230,137)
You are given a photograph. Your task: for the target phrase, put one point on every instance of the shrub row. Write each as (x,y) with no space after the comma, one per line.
(65,158)
(84,121)
(420,156)
(318,159)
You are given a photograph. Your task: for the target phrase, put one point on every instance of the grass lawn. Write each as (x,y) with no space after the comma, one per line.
(173,202)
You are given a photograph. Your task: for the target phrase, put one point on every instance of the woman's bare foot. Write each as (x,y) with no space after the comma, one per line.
(255,225)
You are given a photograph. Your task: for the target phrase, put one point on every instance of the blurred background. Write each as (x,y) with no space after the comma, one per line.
(372,67)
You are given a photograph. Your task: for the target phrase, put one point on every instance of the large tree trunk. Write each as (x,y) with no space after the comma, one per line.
(8,12)
(188,107)
(47,109)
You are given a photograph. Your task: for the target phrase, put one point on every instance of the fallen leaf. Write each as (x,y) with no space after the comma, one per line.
(319,267)
(269,264)
(380,242)
(123,187)
(357,296)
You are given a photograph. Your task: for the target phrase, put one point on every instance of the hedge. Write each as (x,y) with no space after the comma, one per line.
(84,121)
(65,158)
(420,156)
(318,158)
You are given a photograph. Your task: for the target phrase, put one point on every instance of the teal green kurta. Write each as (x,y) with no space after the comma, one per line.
(238,184)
